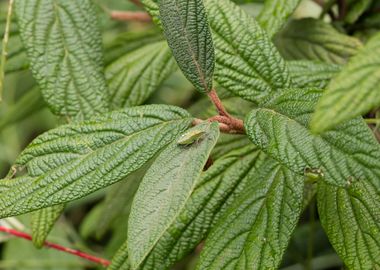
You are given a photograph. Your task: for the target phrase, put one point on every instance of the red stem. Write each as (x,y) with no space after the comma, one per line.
(138,16)
(78,253)
(218,103)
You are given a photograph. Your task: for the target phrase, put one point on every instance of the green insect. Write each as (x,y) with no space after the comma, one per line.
(313,174)
(191,136)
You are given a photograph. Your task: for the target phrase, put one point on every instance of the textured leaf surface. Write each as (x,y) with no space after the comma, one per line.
(43,221)
(189,37)
(65,51)
(255,231)
(348,157)
(311,39)
(349,151)
(164,191)
(353,91)
(275,13)
(311,74)
(247,63)
(83,157)
(135,76)
(351,218)
(216,189)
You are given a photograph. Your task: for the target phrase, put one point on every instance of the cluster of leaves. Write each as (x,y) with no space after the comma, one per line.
(246,205)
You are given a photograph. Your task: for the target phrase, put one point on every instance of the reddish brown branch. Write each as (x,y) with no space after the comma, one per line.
(78,253)
(137,16)
(218,103)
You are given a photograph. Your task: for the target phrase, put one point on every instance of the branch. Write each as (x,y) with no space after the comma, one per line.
(74,252)
(138,16)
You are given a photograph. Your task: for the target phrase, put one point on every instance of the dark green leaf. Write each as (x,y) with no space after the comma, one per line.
(64,47)
(189,37)
(255,231)
(83,157)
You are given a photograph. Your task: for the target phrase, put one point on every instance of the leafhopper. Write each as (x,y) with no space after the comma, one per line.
(191,136)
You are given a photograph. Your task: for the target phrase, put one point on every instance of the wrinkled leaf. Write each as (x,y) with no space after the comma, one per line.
(187,32)
(255,231)
(311,39)
(83,157)
(64,47)
(354,91)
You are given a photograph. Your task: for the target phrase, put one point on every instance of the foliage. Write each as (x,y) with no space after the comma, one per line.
(198,139)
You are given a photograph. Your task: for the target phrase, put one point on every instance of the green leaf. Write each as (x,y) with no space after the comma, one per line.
(27,105)
(275,13)
(354,91)
(216,189)
(350,216)
(164,191)
(83,157)
(355,9)
(64,47)
(43,221)
(349,151)
(135,76)
(312,74)
(187,32)
(247,63)
(255,231)
(311,39)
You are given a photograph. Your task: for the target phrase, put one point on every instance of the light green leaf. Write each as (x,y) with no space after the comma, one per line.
(64,47)
(83,157)
(311,39)
(164,191)
(350,216)
(216,189)
(275,13)
(187,32)
(135,76)
(353,91)
(43,221)
(349,151)
(312,74)
(255,231)
(247,63)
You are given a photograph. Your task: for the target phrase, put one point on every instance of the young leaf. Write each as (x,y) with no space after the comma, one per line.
(311,39)
(351,218)
(164,191)
(247,63)
(355,9)
(135,76)
(64,47)
(189,37)
(353,91)
(255,231)
(349,151)
(275,13)
(43,221)
(312,74)
(83,157)
(216,189)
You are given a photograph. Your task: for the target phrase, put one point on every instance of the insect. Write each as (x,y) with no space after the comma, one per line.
(313,174)
(191,136)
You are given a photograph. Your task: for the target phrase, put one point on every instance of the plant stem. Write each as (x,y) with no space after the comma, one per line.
(227,122)
(4,48)
(310,245)
(137,16)
(74,252)
(372,121)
